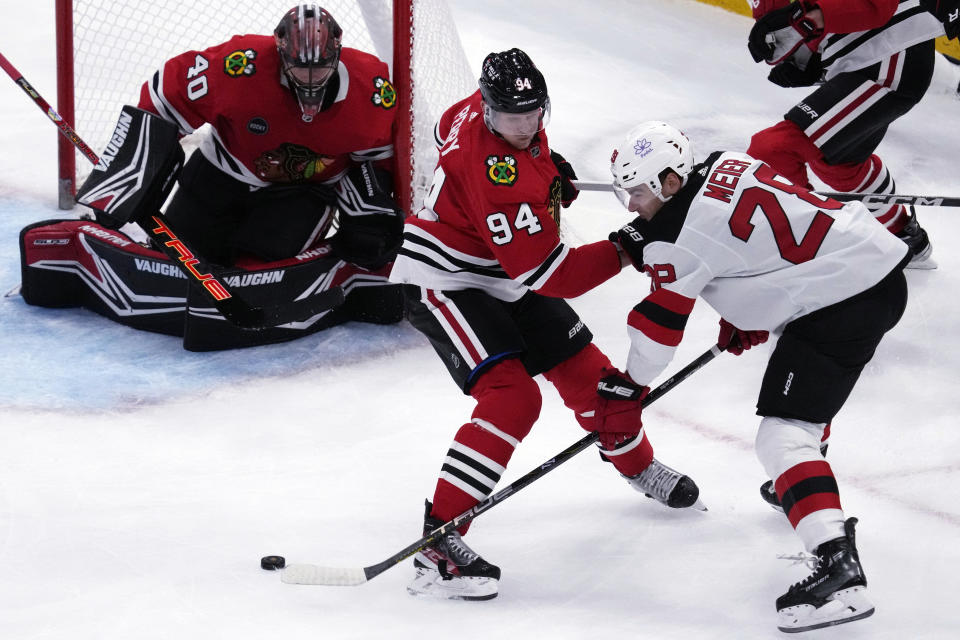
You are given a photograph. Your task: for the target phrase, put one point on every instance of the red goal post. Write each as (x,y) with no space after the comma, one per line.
(107,48)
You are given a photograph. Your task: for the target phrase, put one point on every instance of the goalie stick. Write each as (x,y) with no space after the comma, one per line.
(866,198)
(348,577)
(233,308)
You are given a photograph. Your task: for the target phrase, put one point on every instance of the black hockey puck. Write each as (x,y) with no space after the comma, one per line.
(272,563)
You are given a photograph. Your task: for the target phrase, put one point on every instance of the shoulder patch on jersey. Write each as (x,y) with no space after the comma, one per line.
(258,126)
(239,63)
(385,95)
(502,171)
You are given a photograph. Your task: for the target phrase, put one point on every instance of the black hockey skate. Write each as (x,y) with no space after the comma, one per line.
(769,495)
(835,593)
(451,570)
(667,486)
(919,242)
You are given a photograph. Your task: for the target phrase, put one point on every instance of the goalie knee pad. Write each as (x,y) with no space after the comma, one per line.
(136,171)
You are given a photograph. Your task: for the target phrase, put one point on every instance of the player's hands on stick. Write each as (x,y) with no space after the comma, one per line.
(617,414)
(568,191)
(736,341)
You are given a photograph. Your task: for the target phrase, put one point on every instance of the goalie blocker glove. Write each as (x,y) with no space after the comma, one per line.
(136,171)
(371,224)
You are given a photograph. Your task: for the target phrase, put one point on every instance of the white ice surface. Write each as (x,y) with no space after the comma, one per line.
(140,483)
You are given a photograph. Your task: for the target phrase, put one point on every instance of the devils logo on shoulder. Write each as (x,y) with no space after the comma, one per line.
(502,171)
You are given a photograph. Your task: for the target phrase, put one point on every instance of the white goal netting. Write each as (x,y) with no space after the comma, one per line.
(118,44)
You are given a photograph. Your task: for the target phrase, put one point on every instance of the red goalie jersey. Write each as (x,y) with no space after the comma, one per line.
(258,134)
(490,220)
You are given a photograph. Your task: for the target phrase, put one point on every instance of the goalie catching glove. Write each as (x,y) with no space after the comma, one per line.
(616,416)
(371,224)
(136,171)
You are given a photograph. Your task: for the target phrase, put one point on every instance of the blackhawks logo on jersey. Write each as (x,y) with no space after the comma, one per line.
(502,171)
(553,205)
(240,63)
(290,163)
(386,95)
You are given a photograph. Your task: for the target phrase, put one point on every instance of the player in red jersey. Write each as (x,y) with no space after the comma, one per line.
(771,256)
(484,272)
(291,114)
(873,61)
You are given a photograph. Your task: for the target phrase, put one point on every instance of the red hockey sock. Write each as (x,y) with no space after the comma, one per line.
(508,403)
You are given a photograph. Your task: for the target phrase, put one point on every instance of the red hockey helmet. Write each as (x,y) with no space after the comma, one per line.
(308,40)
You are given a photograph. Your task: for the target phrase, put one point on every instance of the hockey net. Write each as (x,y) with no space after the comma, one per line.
(108,48)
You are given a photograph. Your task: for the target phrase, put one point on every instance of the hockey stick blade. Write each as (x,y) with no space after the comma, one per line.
(311,574)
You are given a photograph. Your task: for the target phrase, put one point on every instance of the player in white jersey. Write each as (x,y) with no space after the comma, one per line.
(873,61)
(824,277)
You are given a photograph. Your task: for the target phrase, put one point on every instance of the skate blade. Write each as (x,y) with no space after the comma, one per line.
(846,605)
(924,261)
(428,583)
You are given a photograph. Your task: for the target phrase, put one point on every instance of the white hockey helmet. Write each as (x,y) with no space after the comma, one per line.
(649,149)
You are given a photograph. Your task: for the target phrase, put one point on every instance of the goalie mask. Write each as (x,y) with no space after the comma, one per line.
(308,41)
(648,150)
(515,101)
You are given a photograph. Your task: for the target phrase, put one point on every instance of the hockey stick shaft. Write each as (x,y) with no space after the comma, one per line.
(233,308)
(866,198)
(333,576)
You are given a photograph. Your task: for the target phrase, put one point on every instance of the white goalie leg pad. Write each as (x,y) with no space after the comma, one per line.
(846,605)
(429,583)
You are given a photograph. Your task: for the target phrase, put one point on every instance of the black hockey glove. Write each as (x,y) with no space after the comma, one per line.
(779,33)
(371,225)
(568,192)
(788,74)
(947,12)
(631,242)
(136,171)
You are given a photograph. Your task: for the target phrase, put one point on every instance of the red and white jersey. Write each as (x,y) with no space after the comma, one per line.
(258,135)
(758,249)
(490,219)
(860,34)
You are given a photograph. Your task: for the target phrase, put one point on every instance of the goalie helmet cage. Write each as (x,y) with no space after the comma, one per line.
(106,49)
